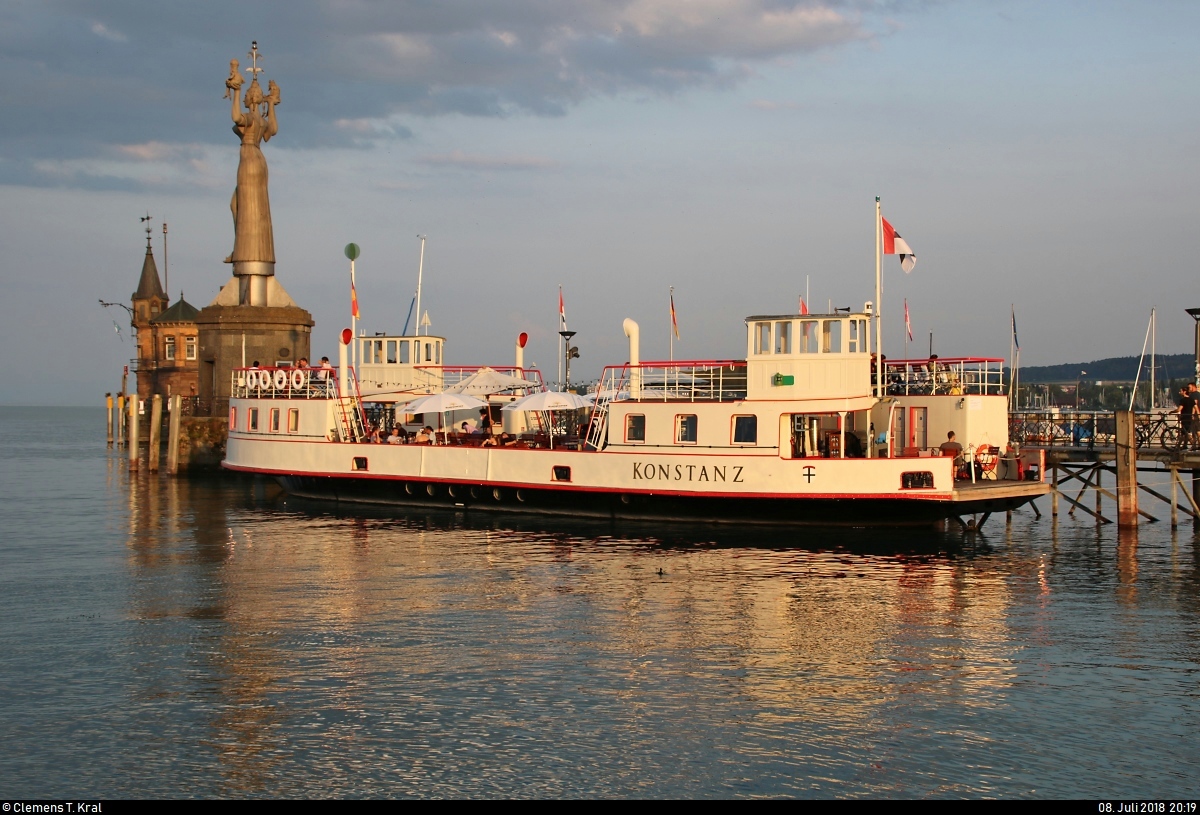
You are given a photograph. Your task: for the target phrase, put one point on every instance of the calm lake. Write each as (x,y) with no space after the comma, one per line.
(211,637)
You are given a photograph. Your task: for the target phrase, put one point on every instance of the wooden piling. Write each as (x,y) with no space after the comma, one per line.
(1099,495)
(155,448)
(108,417)
(1054,491)
(132,433)
(173,435)
(1127,489)
(120,417)
(1174,498)
(1196,494)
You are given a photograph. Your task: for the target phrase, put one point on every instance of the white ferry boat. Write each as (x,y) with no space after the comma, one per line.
(804,429)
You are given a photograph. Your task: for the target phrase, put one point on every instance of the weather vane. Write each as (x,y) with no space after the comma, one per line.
(146,221)
(254,70)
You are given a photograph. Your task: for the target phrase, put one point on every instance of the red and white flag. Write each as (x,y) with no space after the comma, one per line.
(562,312)
(803,305)
(907,323)
(893,244)
(353,301)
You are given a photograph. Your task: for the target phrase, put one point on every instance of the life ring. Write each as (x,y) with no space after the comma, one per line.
(264,379)
(281,379)
(299,379)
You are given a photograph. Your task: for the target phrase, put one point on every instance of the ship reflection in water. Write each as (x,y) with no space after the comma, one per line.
(248,644)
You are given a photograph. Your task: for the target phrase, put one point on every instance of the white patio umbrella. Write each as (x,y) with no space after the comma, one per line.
(442,403)
(550,400)
(488,380)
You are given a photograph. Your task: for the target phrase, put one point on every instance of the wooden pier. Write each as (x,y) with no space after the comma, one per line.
(1121,456)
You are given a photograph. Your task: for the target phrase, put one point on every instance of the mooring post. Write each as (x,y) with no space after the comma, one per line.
(152,453)
(1174,497)
(1127,489)
(1099,495)
(131,434)
(1054,491)
(173,435)
(1196,496)
(120,417)
(108,417)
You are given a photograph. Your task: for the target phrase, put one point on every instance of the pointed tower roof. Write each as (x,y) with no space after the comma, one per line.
(149,285)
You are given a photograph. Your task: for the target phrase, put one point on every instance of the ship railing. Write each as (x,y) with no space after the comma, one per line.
(718,380)
(945,376)
(284,383)
(451,375)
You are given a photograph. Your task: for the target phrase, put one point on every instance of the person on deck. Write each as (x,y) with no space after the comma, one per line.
(952,449)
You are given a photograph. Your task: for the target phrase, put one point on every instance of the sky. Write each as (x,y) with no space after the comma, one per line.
(1038,158)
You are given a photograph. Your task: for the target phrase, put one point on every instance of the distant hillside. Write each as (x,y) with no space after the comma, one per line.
(1114,369)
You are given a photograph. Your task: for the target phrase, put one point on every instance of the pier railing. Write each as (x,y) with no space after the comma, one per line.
(1092,429)
(953,376)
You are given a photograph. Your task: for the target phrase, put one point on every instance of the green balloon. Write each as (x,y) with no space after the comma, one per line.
(352,251)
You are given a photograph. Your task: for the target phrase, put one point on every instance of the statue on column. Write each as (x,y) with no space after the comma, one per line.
(253,255)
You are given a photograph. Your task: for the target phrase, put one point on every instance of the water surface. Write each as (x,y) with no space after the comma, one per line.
(210,637)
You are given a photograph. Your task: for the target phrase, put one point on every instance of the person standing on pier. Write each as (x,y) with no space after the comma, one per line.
(1189,404)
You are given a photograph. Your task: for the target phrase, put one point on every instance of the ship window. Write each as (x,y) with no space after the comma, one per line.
(429,352)
(806,342)
(916,481)
(831,337)
(783,338)
(252,419)
(437,353)
(562,473)
(685,429)
(745,430)
(762,338)
(858,337)
(635,428)
(404,351)
(274,420)
(190,344)
(391,352)
(293,420)
(169,348)
(359,463)
(233,418)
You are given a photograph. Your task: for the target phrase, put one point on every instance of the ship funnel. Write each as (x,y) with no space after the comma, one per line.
(344,363)
(635,373)
(520,351)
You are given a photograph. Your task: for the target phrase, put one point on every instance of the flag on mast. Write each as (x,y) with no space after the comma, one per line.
(893,244)
(803,305)
(907,323)
(562,312)
(674,322)
(353,300)
(1016,342)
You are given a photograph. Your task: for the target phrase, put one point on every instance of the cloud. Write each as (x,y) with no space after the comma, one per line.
(475,162)
(104,32)
(769,105)
(358,72)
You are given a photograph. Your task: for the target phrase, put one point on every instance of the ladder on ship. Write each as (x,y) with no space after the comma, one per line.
(351,422)
(609,387)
